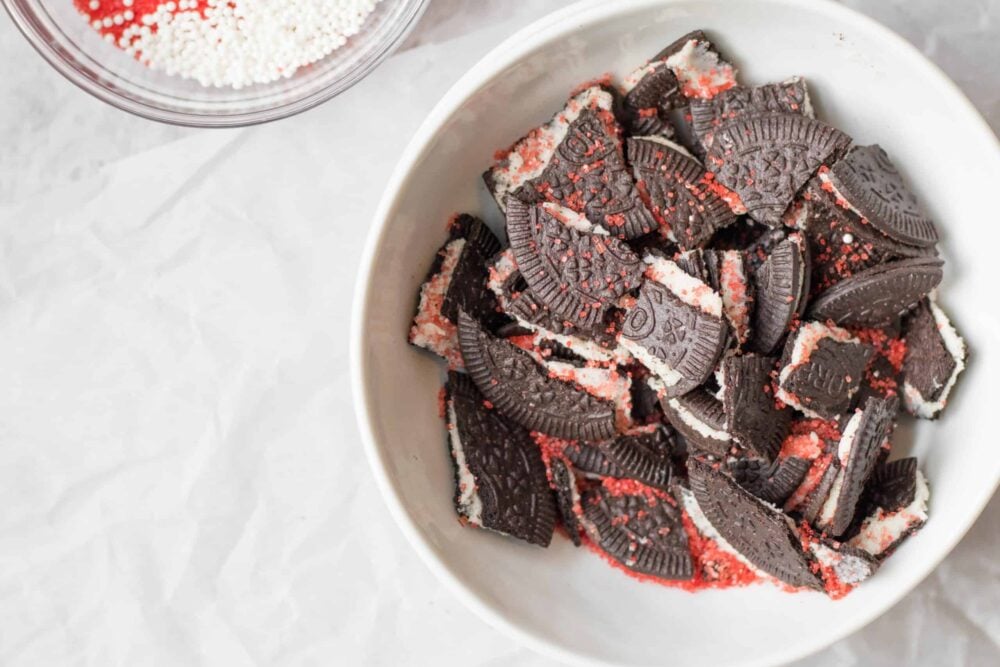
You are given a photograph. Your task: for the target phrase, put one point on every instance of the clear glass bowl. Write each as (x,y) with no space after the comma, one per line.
(64,38)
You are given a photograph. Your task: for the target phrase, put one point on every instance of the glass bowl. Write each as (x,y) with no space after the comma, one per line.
(64,38)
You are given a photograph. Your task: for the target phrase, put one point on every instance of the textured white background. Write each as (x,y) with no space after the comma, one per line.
(181,480)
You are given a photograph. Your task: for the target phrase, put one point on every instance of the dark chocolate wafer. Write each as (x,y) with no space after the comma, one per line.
(642,532)
(877,296)
(825,382)
(522,390)
(510,492)
(774,481)
(752,417)
(758,532)
(563,484)
(780,288)
(707,116)
(576,274)
(699,417)
(767,158)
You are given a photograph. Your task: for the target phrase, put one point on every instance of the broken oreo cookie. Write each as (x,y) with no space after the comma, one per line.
(563,484)
(520,389)
(774,481)
(935,357)
(500,477)
(781,287)
(752,418)
(699,417)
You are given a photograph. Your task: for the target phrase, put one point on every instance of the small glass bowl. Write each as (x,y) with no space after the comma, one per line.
(64,38)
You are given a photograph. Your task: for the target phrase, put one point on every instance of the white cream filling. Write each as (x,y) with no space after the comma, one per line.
(656,139)
(696,424)
(470,505)
(807,107)
(500,272)
(699,70)
(916,403)
(807,338)
(881,530)
(848,569)
(825,179)
(734,299)
(707,530)
(843,454)
(685,287)
(635,76)
(669,376)
(427,331)
(512,175)
(606,383)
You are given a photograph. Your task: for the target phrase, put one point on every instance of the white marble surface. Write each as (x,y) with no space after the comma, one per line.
(180,475)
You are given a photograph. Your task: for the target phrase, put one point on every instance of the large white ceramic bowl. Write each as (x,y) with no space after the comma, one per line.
(567,602)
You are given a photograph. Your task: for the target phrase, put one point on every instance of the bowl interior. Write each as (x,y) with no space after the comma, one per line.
(865,81)
(63,36)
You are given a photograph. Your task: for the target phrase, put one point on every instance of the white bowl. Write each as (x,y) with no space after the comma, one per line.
(566,602)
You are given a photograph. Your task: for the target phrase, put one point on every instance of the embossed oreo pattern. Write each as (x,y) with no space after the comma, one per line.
(702,406)
(752,418)
(644,457)
(575,274)
(780,288)
(707,116)
(643,534)
(506,465)
(587,173)
(681,336)
(876,424)
(563,484)
(520,389)
(760,534)
(869,181)
(677,192)
(828,382)
(877,296)
(773,482)
(893,485)
(767,158)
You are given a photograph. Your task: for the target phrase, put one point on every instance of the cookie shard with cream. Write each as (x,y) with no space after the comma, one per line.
(781,289)
(841,566)
(767,158)
(641,531)
(707,116)
(563,482)
(821,370)
(700,418)
(758,531)
(756,423)
(576,161)
(675,328)
(687,208)
(869,183)
(500,477)
(899,495)
(701,71)
(457,279)
(935,357)
(576,270)
(857,453)
(517,386)
(771,481)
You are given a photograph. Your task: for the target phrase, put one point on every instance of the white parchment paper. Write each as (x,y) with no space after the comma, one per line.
(181,481)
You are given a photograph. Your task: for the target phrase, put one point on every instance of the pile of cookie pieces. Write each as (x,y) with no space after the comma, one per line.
(693,348)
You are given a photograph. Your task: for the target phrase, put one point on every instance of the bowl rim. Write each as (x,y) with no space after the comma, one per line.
(51,54)
(557,25)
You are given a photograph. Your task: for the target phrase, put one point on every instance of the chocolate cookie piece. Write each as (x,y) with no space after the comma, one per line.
(563,484)
(822,369)
(688,211)
(643,456)
(707,116)
(758,532)
(813,503)
(675,328)
(645,402)
(521,390)
(500,477)
(642,532)
(699,417)
(774,481)
(528,158)
(877,296)
(457,279)
(591,460)
(651,91)
(700,69)
(752,418)
(893,485)
(883,529)
(841,565)
(868,180)
(935,357)
(576,273)
(767,158)
(781,289)
(858,452)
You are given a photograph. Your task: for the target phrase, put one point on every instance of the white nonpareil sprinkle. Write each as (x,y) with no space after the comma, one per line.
(232,43)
